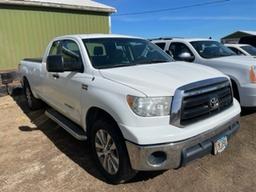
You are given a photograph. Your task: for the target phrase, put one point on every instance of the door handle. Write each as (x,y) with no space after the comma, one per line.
(56,76)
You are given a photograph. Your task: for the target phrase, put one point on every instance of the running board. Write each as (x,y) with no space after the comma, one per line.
(66,124)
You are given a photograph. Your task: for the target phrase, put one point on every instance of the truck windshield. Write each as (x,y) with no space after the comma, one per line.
(211,49)
(121,52)
(249,49)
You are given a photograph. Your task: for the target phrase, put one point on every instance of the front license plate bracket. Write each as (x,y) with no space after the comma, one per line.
(220,145)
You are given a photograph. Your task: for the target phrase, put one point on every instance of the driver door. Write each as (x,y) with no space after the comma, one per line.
(67,86)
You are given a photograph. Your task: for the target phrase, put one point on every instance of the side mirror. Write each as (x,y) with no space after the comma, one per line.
(55,63)
(186,56)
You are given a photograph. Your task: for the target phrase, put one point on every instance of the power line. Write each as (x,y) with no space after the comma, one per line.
(173,8)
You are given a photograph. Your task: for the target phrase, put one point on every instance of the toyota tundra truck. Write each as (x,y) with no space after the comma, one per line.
(138,109)
(240,69)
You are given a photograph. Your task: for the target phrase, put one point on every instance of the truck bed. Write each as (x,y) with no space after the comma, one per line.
(39,60)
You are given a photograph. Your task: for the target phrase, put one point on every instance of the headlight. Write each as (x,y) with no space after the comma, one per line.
(252,74)
(150,106)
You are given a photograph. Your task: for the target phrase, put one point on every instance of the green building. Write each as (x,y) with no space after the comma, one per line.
(27,26)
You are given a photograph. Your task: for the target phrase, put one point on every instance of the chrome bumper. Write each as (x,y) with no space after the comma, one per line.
(177,154)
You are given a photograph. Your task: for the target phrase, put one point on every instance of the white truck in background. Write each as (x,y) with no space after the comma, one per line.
(242,49)
(138,108)
(240,69)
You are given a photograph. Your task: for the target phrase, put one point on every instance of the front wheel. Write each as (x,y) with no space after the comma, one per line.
(110,153)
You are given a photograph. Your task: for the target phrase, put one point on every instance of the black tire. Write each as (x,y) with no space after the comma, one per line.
(124,171)
(235,91)
(32,102)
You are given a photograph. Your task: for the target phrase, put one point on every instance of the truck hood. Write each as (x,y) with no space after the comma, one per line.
(239,60)
(160,79)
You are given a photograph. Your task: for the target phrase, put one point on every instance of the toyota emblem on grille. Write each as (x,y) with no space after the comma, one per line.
(214,103)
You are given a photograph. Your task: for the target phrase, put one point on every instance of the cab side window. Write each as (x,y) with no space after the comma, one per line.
(177,49)
(55,48)
(70,52)
(161,45)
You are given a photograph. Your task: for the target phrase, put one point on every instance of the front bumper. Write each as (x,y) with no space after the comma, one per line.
(177,154)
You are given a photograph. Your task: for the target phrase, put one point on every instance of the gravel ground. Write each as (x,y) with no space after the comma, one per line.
(37,155)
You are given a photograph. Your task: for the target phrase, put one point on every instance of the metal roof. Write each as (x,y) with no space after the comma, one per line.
(249,32)
(86,5)
(239,34)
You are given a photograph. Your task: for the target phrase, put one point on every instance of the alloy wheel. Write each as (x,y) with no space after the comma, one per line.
(107,151)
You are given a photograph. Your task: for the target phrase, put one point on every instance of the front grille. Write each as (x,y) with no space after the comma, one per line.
(203,102)
(200,100)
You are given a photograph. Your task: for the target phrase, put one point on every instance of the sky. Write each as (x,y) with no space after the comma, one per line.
(182,18)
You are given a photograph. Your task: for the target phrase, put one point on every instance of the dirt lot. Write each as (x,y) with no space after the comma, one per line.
(37,155)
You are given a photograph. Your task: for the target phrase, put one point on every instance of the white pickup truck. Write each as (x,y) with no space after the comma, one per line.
(240,69)
(138,109)
(242,49)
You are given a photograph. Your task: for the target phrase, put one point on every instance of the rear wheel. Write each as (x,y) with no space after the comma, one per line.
(33,103)
(110,153)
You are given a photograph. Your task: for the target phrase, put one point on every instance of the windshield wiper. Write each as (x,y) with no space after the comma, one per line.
(158,61)
(152,61)
(226,55)
(118,65)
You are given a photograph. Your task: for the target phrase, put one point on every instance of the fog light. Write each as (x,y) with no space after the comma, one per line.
(157,158)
